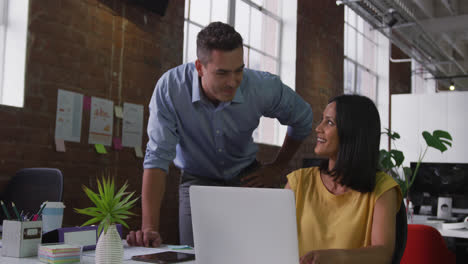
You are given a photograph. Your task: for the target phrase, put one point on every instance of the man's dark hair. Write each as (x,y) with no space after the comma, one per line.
(358,125)
(216,36)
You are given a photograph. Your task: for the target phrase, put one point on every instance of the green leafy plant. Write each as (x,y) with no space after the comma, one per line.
(391,161)
(110,207)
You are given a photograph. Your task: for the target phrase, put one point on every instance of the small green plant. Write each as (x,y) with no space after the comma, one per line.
(110,207)
(391,161)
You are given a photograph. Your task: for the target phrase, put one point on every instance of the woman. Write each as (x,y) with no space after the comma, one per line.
(346,208)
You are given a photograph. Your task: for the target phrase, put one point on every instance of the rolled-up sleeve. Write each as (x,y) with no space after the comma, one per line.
(289,108)
(162,128)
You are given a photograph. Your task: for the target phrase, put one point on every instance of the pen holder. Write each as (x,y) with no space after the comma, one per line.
(20,239)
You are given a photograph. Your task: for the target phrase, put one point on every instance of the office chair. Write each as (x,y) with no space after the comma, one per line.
(29,188)
(401,234)
(426,246)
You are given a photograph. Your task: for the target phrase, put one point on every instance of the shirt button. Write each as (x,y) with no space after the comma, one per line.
(220,150)
(217,132)
(222,163)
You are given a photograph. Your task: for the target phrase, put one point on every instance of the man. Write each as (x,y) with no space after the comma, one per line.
(203,114)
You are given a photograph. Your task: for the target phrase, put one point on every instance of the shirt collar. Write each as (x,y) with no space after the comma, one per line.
(196,87)
(238,97)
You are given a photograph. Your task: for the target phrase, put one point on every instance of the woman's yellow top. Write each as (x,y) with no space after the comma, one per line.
(328,221)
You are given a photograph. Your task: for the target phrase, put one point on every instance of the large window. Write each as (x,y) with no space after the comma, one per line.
(360,71)
(366,64)
(13,33)
(261,25)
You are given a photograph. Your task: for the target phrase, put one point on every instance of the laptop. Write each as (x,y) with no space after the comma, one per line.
(244,225)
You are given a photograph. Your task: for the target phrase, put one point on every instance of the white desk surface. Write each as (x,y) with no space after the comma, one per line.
(88,256)
(422,220)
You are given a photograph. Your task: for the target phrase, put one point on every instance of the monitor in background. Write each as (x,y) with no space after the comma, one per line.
(440,180)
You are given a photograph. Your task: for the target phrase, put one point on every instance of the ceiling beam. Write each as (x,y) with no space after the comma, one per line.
(454,44)
(426,6)
(446,24)
(449,7)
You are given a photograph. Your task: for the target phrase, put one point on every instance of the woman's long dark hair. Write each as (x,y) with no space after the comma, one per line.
(358,125)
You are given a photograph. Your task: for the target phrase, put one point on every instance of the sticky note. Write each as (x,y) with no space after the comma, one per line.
(118,111)
(86,103)
(138,152)
(59,145)
(117,143)
(100,148)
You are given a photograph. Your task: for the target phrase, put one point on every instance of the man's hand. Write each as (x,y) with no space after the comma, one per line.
(144,239)
(263,177)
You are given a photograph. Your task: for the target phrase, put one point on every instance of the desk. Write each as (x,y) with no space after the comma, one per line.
(88,256)
(422,220)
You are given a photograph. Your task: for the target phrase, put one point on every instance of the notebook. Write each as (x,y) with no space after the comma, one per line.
(244,225)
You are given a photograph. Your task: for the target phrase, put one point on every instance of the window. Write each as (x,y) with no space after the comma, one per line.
(263,25)
(360,56)
(13,34)
(366,64)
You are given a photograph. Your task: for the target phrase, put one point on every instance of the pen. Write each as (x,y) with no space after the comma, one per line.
(16,211)
(5,210)
(26,217)
(36,216)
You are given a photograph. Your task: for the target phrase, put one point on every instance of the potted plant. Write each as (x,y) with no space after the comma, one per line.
(110,208)
(391,161)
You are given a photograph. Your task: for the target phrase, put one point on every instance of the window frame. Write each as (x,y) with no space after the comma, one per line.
(13,53)
(351,25)
(231,21)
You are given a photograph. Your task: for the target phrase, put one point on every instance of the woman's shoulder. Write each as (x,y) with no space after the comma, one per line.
(299,176)
(385,182)
(383,178)
(307,171)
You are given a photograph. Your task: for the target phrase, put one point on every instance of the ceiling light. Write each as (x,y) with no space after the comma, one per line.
(452,86)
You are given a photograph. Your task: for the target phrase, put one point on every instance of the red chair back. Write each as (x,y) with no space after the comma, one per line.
(426,245)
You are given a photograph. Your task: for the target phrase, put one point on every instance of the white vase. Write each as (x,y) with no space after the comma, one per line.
(109,248)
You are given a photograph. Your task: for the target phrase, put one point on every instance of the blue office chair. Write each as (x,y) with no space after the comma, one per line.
(401,234)
(30,187)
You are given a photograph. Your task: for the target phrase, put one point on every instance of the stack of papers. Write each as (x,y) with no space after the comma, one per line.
(59,253)
(459,225)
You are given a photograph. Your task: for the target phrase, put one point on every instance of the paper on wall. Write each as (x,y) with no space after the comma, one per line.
(132,129)
(59,145)
(118,111)
(69,114)
(101,121)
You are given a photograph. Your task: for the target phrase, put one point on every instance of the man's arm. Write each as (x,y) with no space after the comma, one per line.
(288,149)
(152,193)
(265,175)
(282,103)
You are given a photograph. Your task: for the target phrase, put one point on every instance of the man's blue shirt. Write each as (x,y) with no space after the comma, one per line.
(216,141)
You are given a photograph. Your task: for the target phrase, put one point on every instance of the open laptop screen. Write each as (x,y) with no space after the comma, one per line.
(244,225)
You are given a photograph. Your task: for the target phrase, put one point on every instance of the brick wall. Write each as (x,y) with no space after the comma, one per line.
(109,49)
(102,48)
